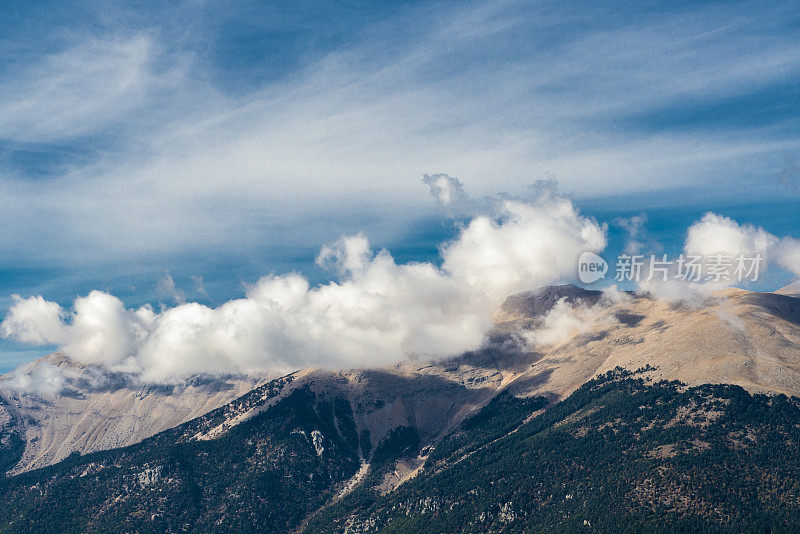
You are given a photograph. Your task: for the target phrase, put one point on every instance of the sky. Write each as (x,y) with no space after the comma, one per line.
(179,153)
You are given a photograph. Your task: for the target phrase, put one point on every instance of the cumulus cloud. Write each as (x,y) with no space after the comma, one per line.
(445,189)
(103,331)
(376,312)
(449,194)
(35,321)
(348,256)
(739,252)
(717,235)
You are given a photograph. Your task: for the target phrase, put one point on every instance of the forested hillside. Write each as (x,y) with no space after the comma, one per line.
(264,474)
(620,454)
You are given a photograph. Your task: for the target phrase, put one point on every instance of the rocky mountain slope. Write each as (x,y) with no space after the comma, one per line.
(621,454)
(736,337)
(326,445)
(86,409)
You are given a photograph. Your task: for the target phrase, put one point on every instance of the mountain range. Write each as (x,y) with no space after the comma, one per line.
(584,411)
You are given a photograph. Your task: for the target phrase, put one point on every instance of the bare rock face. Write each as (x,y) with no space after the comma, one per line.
(734,337)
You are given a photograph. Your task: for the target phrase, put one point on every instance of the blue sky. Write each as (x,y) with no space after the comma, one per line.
(217,142)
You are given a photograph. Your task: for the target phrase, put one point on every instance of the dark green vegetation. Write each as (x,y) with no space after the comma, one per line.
(265,474)
(619,455)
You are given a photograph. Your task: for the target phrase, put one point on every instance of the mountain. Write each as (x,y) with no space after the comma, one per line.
(793,289)
(583,411)
(621,454)
(76,407)
(735,337)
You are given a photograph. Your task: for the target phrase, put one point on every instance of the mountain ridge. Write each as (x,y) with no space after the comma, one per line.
(738,337)
(342,450)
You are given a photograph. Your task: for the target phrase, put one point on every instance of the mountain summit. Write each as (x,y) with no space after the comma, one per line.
(565,372)
(545,342)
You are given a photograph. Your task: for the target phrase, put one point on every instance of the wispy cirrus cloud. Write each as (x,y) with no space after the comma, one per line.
(488,92)
(82,90)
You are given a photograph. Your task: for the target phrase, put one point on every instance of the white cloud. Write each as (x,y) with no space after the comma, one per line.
(715,235)
(79,90)
(677,290)
(716,239)
(40,378)
(348,256)
(718,235)
(534,242)
(566,320)
(562,323)
(450,195)
(378,312)
(35,321)
(194,160)
(445,189)
(166,287)
(103,331)
(635,228)
(787,252)
(49,377)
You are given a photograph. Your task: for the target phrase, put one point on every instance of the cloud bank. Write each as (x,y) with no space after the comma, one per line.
(376,311)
